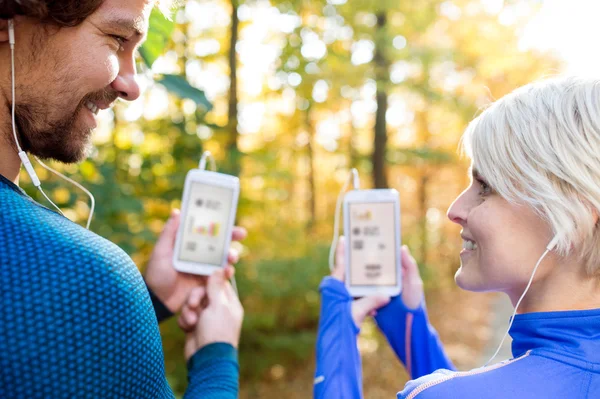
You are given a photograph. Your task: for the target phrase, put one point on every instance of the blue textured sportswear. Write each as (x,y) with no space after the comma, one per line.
(555,354)
(76,319)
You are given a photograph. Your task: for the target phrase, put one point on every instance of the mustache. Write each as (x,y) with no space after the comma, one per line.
(103,96)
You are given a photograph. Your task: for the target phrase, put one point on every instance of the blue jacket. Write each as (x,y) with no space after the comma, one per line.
(555,355)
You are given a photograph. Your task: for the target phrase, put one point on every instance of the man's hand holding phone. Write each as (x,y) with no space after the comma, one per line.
(171,286)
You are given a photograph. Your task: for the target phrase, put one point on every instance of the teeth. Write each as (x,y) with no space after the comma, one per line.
(469,245)
(92,107)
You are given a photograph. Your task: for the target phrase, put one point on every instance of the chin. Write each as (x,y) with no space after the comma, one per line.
(467,281)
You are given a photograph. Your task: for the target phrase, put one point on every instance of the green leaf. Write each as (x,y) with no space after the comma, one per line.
(159,33)
(179,86)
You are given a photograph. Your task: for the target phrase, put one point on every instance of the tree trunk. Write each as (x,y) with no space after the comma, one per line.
(423,206)
(423,136)
(352,152)
(312,204)
(382,74)
(232,112)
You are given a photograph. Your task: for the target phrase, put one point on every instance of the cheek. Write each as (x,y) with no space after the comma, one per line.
(99,69)
(495,238)
(95,64)
(104,70)
(112,68)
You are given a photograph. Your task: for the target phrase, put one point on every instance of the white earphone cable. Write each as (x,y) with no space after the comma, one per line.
(549,248)
(336,221)
(73,182)
(24,158)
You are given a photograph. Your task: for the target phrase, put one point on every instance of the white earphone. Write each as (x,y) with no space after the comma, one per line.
(22,154)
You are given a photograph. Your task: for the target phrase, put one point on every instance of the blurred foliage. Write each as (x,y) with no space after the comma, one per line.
(307,87)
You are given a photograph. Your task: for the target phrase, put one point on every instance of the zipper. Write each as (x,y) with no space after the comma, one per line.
(430,384)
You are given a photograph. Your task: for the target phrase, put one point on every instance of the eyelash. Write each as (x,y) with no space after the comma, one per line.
(485,188)
(121,40)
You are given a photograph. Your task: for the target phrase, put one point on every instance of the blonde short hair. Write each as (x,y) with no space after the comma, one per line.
(540,146)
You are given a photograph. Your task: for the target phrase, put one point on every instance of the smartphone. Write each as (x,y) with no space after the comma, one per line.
(372,230)
(208,210)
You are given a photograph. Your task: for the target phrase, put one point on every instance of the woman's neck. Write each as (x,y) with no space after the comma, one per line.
(566,287)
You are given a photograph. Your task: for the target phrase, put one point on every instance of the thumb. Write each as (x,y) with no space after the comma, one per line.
(412,284)
(215,284)
(364,306)
(169,232)
(410,270)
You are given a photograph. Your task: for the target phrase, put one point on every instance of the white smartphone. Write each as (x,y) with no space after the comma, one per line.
(372,230)
(208,210)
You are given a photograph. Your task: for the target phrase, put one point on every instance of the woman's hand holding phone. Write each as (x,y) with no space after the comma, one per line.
(412,285)
(363,307)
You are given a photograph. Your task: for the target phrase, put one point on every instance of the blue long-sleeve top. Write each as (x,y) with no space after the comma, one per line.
(76,319)
(555,355)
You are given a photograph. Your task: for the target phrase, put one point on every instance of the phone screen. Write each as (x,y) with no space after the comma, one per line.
(205,225)
(372,244)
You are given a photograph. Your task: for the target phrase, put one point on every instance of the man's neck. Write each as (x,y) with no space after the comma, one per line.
(10,163)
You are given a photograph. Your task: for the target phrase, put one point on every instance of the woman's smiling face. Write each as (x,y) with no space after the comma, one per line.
(502,241)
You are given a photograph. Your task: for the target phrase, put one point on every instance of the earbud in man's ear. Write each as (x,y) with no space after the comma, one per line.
(11,32)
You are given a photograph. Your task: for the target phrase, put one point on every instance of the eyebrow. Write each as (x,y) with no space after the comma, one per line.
(130,25)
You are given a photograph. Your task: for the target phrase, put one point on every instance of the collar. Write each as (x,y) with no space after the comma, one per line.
(572,336)
(10,185)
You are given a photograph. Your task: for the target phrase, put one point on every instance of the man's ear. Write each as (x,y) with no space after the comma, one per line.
(3,31)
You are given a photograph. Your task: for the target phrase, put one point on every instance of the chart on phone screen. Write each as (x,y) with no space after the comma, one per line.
(372,244)
(206,219)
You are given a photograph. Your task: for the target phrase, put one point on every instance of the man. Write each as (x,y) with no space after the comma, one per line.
(76,318)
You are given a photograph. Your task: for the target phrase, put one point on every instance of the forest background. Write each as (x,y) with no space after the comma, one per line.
(289,95)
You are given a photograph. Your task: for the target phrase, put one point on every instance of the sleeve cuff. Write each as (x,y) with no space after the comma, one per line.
(218,350)
(161,311)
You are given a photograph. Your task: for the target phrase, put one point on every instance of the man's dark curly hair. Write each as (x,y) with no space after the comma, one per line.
(60,12)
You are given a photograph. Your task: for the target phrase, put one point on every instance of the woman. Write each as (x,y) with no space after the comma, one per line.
(529,229)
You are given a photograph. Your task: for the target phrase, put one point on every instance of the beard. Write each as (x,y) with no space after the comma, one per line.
(63,139)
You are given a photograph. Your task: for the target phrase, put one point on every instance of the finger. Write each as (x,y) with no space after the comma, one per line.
(230,292)
(233,257)
(196,296)
(215,284)
(409,265)
(170,229)
(228,271)
(363,306)
(339,269)
(238,233)
(188,318)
